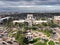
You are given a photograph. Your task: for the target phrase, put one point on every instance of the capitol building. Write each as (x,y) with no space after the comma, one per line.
(30,20)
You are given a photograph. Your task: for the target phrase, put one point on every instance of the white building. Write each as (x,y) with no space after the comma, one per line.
(18,21)
(30,20)
(40,21)
(57,19)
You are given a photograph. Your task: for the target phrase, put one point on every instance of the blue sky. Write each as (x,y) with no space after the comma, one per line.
(28,2)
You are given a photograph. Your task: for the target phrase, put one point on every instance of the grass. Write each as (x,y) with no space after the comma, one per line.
(40,43)
(35,40)
(10,35)
(46,32)
(51,43)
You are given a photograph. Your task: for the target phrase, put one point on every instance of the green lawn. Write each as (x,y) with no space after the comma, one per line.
(51,43)
(40,43)
(46,32)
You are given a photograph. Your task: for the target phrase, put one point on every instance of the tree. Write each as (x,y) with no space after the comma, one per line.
(26,41)
(20,37)
(44,24)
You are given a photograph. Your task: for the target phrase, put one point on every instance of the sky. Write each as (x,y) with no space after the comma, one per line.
(42,5)
(28,2)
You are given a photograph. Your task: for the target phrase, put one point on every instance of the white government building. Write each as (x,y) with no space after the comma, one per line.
(30,20)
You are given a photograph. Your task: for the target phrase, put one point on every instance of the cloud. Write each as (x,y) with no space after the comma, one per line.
(28,2)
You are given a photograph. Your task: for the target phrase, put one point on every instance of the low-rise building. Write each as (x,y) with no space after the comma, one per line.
(18,21)
(40,21)
(57,19)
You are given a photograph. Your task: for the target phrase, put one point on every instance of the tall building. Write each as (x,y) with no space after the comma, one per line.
(30,19)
